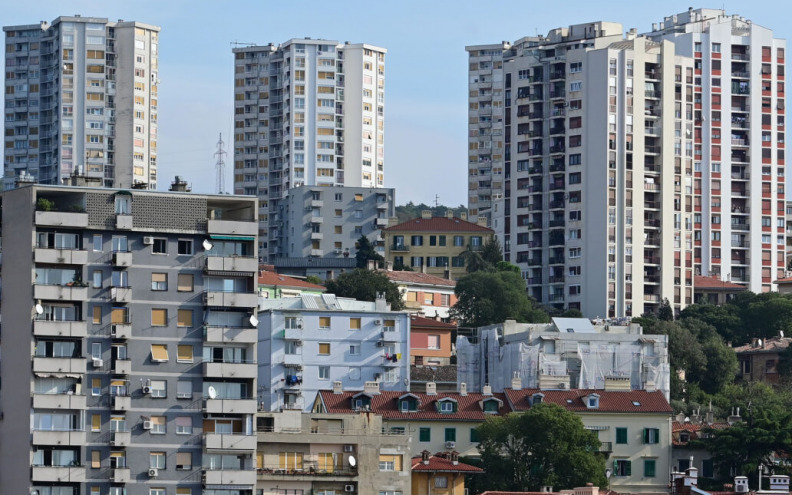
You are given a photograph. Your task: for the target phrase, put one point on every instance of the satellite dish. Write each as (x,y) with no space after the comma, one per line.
(253,320)
(352,461)
(212,392)
(207,245)
(39,308)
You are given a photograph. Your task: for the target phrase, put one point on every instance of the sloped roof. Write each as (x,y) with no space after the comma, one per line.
(272,279)
(694,429)
(438,224)
(609,401)
(785,280)
(406,277)
(773,344)
(438,463)
(421,322)
(712,283)
(386,404)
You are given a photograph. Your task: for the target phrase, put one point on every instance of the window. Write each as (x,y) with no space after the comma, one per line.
(159,388)
(159,317)
(416,240)
(183,459)
(158,425)
(184,353)
(324,322)
(184,318)
(433,342)
(621,435)
(97,315)
(185,247)
(96,422)
(96,386)
(651,435)
(97,279)
(354,323)
(650,468)
(441,481)
(96,459)
(185,282)
(622,467)
(450,434)
(157,460)
(324,349)
(474,435)
(459,241)
(159,353)
(120,244)
(160,246)
(424,434)
(324,372)
(290,460)
(354,350)
(183,391)
(339,213)
(159,281)
(119,316)
(97,242)
(123,204)
(389,462)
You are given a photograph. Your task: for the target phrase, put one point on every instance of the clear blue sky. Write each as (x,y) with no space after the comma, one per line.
(426,66)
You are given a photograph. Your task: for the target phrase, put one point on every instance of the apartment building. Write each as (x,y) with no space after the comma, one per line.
(129,365)
(424,294)
(309,343)
(328,221)
(431,341)
(272,285)
(434,245)
(330,453)
(738,110)
(596,170)
(81,95)
(306,112)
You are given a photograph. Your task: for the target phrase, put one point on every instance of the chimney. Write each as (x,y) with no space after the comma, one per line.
(380,303)
(454,457)
(779,482)
(371,265)
(425,456)
(449,213)
(371,388)
(431,388)
(487,390)
(338,388)
(78,178)
(734,417)
(179,185)
(547,489)
(463,389)
(426,214)
(481,221)
(24,179)
(463,215)
(516,382)
(447,274)
(741,484)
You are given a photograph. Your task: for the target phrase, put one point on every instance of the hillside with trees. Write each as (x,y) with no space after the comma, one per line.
(412,210)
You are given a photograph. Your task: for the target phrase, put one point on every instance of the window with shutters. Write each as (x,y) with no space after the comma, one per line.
(651,435)
(119,316)
(650,468)
(185,282)
(96,422)
(450,434)
(96,459)
(157,460)
(324,348)
(290,460)
(159,317)
(185,318)
(388,462)
(425,435)
(324,322)
(354,323)
(184,461)
(621,435)
(159,389)
(159,353)
(184,354)
(159,281)
(622,467)
(158,425)
(183,425)
(184,389)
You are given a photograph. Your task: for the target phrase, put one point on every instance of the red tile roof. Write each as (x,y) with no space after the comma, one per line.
(272,278)
(440,464)
(574,400)
(421,322)
(693,429)
(713,283)
(773,344)
(785,280)
(386,404)
(419,278)
(438,224)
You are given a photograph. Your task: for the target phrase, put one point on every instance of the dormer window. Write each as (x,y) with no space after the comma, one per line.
(408,403)
(592,401)
(684,437)
(537,399)
(491,406)
(446,406)
(361,402)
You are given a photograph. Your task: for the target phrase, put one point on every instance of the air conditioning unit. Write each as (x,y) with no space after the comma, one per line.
(349,448)
(153,472)
(380,343)
(378,322)
(148,240)
(377,376)
(146,425)
(299,323)
(97,363)
(146,390)
(299,343)
(450,445)
(349,488)
(112,443)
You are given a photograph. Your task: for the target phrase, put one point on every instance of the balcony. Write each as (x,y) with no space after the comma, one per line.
(230,406)
(292,360)
(230,477)
(58,365)
(60,292)
(56,328)
(61,256)
(59,401)
(121,438)
(381,222)
(124,222)
(230,370)
(220,441)
(317,236)
(121,403)
(606,447)
(231,264)
(122,367)
(121,294)
(61,474)
(230,334)
(121,259)
(317,252)
(121,330)
(232,227)
(120,475)
(66,438)
(231,299)
(61,219)
(400,248)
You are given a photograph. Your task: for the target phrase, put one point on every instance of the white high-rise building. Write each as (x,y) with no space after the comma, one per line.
(81,94)
(593,197)
(306,112)
(738,110)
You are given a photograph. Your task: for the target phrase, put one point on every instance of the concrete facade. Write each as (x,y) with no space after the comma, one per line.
(307,112)
(312,343)
(82,95)
(133,343)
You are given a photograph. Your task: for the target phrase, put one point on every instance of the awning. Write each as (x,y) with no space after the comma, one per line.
(221,273)
(57,375)
(129,193)
(232,237)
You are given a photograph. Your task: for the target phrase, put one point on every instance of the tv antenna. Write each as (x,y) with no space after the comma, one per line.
(220,165)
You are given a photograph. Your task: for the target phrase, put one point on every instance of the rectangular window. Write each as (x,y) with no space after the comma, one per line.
(97,242)
(389,462)
(324,322)
(185,318)
(183,390)
(96,386)
(185,282)
(324,372)
(651,435)
(185,247)
(159,388)
(159,353)
(96,459)
(354,323)
(354,350)
(96,422)
(183,459)
(324,349)
(157,460)
(158,425)
(650,466)
(425,435)
(621,435)
(159,281)
(450,434)
(184,354)
(97,315)
(474,435)
(440,481)
(160,246)
(622,467)
(119,316)
(159,317)
(97,279)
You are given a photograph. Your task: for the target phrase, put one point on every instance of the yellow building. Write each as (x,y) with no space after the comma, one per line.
(434,244)
(440,474)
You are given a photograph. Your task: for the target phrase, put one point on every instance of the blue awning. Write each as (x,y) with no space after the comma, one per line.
(232,237)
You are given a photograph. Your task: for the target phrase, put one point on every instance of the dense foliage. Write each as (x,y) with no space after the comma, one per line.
(411,210)
(364,285)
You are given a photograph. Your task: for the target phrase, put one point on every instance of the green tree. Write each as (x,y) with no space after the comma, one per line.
(484,298)
(547,445)
(665,312)
(366,252)
(492,252)
(364,285)
(474,261)
(313,279)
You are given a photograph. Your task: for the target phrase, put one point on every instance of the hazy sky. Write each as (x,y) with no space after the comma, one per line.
(426,66)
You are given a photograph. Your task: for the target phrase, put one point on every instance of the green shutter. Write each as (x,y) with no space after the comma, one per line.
(450,434)
(646,435)
(474,435)
(628,471)
(621,435)
(425,435)
(649,468)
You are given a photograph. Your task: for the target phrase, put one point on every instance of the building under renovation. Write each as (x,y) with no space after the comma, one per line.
(567,353)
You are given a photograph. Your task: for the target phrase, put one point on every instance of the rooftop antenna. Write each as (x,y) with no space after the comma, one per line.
(220,165)
(437,200)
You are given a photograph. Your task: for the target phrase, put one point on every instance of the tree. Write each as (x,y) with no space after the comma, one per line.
(364,285)
(492,252)
(545,446)
(484,298)
(474,262)
(313,279)
(366,252)
(665,313)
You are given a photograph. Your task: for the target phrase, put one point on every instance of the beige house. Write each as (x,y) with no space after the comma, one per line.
(330,453)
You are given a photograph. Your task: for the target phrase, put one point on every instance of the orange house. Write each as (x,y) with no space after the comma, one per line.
(430,341)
